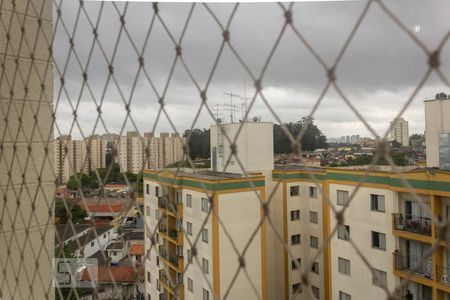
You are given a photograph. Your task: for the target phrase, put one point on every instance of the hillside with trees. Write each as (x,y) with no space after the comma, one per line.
(313,138)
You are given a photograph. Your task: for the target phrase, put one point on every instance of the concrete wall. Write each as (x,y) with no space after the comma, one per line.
(437,121)
(254,146)
(27,234)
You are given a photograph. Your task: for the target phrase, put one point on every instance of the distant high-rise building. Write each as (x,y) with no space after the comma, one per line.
(437,131)
(400,131)
(73,156)
(163,151)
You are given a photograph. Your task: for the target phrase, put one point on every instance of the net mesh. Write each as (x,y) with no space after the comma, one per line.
(61,59)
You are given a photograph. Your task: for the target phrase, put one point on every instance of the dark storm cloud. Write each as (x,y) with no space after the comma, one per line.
(378,72)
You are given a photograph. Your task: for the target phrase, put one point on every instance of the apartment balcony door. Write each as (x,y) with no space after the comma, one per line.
(417,210)
(415,252)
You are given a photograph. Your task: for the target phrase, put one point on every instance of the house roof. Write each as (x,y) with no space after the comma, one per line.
(112,274)
(88,237)
(134,235)
(137,249)
(115,246)
(65,231)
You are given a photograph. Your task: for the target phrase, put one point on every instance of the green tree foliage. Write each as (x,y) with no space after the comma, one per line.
(78,214)
(398,158)
(199,143)
(312,139)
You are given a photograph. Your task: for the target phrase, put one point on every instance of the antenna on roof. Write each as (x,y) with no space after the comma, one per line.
(232,107)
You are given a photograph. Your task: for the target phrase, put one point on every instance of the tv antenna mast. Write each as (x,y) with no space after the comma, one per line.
(232,107)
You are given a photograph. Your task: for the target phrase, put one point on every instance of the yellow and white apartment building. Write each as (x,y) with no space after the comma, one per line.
(390,228)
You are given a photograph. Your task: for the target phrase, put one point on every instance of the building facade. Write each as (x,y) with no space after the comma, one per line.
(162,151)
(73,156)
(437,132)
(400,131)
(178,212)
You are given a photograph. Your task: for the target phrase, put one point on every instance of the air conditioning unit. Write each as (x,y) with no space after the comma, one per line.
(444,279)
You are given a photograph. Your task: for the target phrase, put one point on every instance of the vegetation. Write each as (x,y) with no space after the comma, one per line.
(365,159)
(77,213)
(91,181)
(313,138)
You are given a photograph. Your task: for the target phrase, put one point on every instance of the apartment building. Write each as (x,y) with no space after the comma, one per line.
(391,227)
(400,131)
(163,150)
(177,208)
(72,156)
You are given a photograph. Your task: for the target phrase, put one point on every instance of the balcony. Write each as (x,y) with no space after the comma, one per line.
(443,275)
(411,223)
(413,264)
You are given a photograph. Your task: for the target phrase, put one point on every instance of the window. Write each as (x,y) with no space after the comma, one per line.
(343,232)
(205,265)
(205,235)
(189,228)
(104,235)
(149,297)
(344,296)
(342,198)
(156,214)
(189,255)
(92,243)
(296,288)
(149,277)
(147,189)
(295,190)
(190,285)
(205,204)
(158,285)
(378,240)
(379,277)
(188,200)
(315,267)
(178,197)
(147,211)
(377,202)
(313,217)
(343,266)
(313,192)
(314,242)
(295,239)
(295,215)
(157,191)
(157,261)
(315,291)
(295,264)
(114,253)
(205,295)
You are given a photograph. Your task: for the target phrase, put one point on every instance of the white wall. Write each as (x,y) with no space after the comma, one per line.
(437,121)
(254,146)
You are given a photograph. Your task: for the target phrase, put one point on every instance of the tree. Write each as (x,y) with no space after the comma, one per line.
(78,214)
(198,142)
(312,138)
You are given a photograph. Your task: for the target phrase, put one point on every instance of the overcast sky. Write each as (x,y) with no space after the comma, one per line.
(378,72)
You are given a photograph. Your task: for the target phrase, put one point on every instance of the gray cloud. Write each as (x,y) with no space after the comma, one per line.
(378,72)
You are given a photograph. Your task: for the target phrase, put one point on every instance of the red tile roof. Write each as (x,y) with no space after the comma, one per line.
(137,249)
(101,207)
(111,274)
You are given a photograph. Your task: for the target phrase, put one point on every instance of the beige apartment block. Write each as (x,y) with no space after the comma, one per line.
(26,155)
(163,151)
(73,156)
(400,131)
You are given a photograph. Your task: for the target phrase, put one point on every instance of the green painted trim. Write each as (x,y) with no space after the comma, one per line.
(430,185)
(220,185)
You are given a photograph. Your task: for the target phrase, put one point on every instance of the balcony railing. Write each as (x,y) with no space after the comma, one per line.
(413,264)
(412,223)
(443,275)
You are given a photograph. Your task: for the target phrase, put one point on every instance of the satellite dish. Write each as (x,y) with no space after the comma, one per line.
(219,121)
(436,97)
(443,96)
(255,119)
